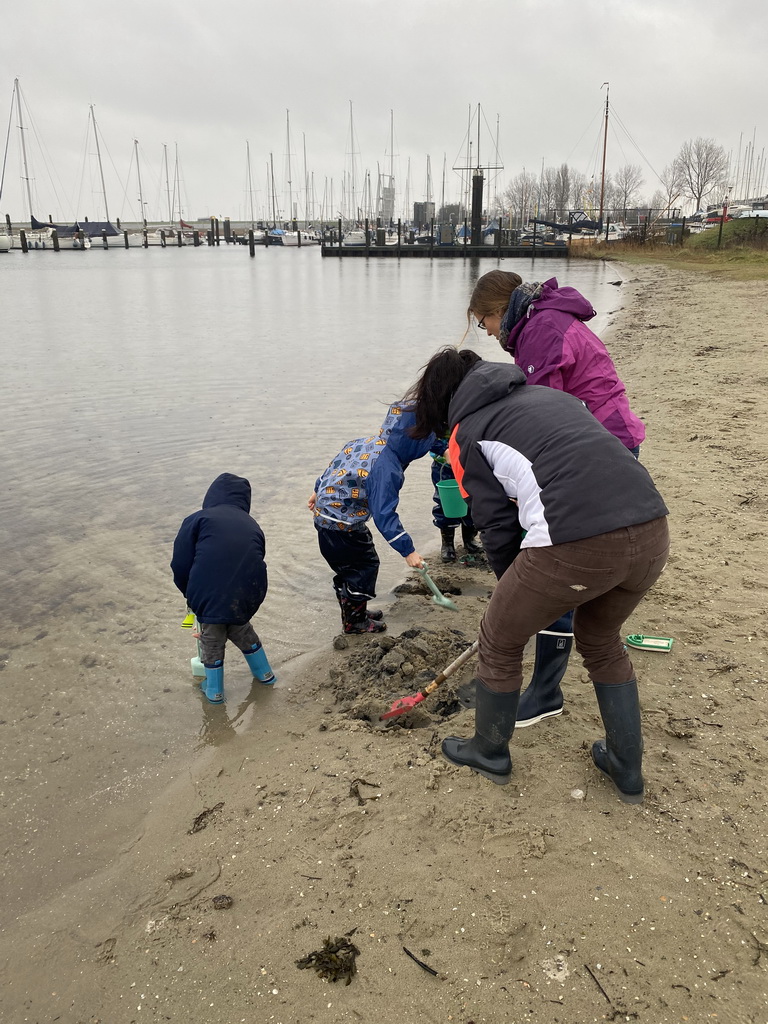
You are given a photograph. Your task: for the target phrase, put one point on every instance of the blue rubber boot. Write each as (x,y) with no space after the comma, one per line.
(259,665)
(213,687)
(543,697)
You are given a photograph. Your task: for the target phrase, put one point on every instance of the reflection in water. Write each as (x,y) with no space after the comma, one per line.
(217,727)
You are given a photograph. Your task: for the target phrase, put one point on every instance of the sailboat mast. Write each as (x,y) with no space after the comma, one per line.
(176,182)
(250,183)
(307,216)
(352,151)
(274,201)
(288,143)
(142,218)
(605,148)
(101,170)
(168,185)
(23,146)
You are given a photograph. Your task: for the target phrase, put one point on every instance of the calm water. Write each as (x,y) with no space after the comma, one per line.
(130,380)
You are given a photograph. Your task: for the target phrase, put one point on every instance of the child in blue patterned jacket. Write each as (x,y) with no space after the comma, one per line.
(364,481)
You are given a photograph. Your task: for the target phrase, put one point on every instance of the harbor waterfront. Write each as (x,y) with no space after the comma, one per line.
(128,386)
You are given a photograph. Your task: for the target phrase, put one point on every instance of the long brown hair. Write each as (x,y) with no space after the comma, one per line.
(436,386)
(492,293)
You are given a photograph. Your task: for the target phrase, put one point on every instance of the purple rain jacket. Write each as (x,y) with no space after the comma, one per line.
(553,346)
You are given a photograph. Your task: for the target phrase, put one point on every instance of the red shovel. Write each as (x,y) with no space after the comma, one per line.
(403,704)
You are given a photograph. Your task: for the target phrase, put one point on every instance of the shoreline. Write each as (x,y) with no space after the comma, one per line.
(518,896)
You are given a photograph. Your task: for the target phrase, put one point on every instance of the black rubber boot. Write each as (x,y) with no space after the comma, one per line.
(620,755)
(469,537)
(488,751)
(357,619)
(447,550)
(543,697)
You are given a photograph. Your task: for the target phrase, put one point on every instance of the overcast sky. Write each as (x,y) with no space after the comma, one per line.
(208,75)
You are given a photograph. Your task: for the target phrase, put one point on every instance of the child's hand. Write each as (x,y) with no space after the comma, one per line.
(414,560)
(312,501)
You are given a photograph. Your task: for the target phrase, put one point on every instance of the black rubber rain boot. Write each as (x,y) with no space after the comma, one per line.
(343,602)
(620,755)
(543,697)
(469,537)
(488,751)
(357,619)
(447,550)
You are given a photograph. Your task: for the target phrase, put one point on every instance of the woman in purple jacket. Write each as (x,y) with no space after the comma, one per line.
(542,326)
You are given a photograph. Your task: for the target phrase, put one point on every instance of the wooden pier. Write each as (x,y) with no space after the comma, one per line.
(406,250)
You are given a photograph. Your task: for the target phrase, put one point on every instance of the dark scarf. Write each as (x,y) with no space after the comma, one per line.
(519,302)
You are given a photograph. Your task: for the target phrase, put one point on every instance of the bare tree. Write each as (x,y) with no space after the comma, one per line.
(671,180)
(547,193)
(703,167)
(626,185)
(519,197)
(579,186)
(562,190)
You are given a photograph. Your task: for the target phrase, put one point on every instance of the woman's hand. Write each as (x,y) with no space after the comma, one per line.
(312,501)
(414,560)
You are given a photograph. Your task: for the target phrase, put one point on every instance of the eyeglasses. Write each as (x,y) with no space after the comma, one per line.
(481,323)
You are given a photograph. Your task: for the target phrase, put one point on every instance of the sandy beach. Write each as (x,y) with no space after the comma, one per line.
(546,900)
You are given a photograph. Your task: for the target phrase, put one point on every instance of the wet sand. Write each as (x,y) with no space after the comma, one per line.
(526,902)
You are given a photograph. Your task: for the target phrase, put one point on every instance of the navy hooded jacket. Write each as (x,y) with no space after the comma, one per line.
(218,555)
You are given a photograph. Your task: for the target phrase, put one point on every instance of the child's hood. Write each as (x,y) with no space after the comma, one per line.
(228,489)
(394,430)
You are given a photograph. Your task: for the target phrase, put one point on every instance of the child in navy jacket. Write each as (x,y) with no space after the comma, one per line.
(218,565)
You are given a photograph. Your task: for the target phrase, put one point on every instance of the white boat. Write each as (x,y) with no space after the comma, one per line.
(300,237)
(6,241)
(354,238)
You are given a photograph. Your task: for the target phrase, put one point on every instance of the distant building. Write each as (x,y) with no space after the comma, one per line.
(423,214)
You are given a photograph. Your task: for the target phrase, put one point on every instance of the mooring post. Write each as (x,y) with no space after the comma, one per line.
(179,239)
(298,232)
(431,236)
(125,239)
(145,238)
(216,233)
(104,242)
(23,240)
(399,234)
(251,243)
(367,238)
(339,232)
(55,240)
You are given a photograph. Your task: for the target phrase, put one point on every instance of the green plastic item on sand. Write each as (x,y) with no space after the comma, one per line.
(649,643)
(437,596)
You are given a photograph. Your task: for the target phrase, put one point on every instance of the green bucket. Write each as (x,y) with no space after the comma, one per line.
(453,504)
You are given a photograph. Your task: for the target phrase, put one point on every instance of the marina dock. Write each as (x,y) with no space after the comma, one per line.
(438,252)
